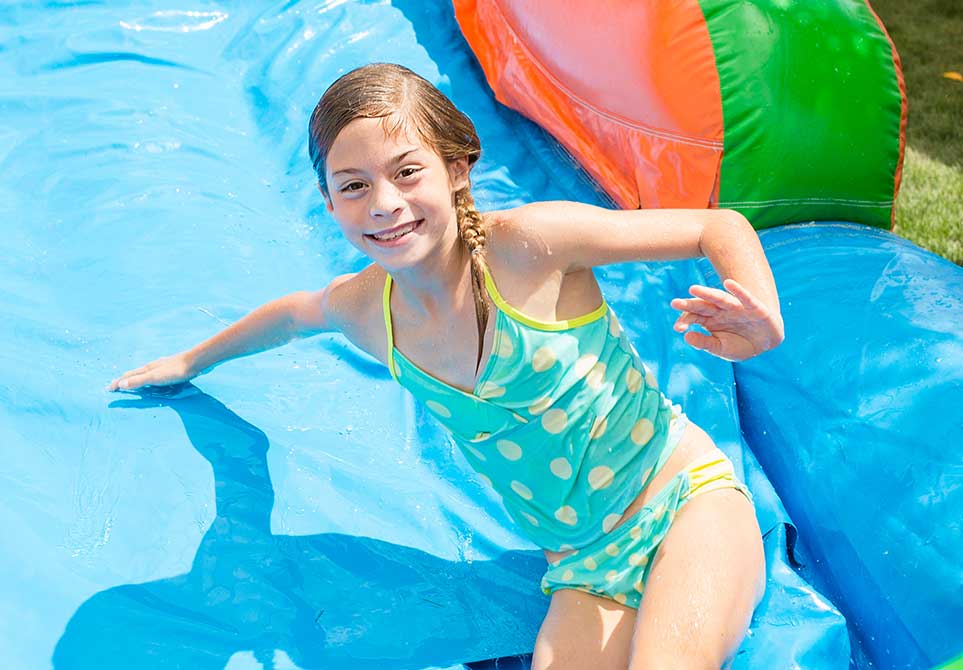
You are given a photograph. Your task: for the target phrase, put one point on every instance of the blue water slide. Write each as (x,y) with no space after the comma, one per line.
(294,509)
(857,420)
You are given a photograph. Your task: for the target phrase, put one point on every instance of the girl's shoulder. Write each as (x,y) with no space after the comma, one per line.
(540,233)
(355,308)
(513,240)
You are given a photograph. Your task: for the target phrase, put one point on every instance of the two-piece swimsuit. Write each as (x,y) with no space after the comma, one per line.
(567,424)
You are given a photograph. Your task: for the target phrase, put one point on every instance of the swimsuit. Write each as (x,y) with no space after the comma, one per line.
(565,423)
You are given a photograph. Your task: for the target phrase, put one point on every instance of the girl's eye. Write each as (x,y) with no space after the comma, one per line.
(408,171)
(352,186)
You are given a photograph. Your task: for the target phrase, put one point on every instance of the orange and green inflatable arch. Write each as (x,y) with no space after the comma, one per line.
(786,110)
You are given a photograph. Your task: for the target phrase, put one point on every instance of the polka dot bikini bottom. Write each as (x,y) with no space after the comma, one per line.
(617,565)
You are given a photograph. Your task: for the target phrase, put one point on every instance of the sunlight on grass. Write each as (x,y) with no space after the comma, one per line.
(927,34)
(929,209)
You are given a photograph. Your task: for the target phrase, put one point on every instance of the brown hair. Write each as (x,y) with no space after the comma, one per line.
(386,90)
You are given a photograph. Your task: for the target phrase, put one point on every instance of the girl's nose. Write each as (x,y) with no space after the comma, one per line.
(386,200)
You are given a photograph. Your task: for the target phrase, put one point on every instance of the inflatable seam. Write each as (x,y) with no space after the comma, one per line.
(801,201)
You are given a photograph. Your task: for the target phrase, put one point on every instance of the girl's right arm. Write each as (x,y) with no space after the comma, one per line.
(296,315)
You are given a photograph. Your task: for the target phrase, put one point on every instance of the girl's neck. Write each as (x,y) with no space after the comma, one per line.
(439,285)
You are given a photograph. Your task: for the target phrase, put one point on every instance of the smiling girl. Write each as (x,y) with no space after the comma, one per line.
(654,554)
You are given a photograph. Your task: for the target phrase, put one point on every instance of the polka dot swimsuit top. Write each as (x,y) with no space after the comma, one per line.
(565,422)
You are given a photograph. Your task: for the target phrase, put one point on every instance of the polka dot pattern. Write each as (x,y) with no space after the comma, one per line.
(510,450)
(438,408)
(561,468)
(584,364)
(601,477)
(563,445)
(567,515)
(554,421)
(504,348)
(540,405)
(642,431)
(543,359)
(596,376)
(490,390)
(608,523)
(522,490)
(638,559)
(618,565)
(598,427)
(633,380)
(476,453)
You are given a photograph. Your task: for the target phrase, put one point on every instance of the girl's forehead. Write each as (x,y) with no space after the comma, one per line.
(372,141)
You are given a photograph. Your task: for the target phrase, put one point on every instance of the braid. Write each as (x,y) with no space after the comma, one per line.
(472,231)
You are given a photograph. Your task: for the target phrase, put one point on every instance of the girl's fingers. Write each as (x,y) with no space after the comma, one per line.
(715,296)
(709,343)
(133,382)
(697,305)
(124,381)
(686,320)
(127,381)
(744,296)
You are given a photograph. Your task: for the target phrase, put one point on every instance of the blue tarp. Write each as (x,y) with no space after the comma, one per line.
(295,509)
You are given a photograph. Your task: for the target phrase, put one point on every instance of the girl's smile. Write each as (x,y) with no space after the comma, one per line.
(393,237)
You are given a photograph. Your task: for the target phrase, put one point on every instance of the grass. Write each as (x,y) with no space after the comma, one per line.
(928,35)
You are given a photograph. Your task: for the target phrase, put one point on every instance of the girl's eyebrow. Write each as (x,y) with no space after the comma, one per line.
(397,159)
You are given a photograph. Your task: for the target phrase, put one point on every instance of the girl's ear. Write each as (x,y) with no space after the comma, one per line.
(458,169)
(327,200)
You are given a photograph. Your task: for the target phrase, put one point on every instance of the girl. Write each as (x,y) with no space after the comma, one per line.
(558,414)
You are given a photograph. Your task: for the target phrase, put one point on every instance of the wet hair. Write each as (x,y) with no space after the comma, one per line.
(390,91)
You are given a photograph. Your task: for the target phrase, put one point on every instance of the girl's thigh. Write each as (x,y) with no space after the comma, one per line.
(584,631)
(706,579)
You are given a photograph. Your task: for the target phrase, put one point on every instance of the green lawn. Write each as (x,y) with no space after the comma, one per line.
(928,36)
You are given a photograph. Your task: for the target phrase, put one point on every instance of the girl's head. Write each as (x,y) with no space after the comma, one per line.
(389,150)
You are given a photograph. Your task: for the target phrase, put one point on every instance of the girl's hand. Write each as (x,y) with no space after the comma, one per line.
(741,326)
(162,372)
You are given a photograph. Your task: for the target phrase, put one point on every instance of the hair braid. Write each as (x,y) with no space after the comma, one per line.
(472,231)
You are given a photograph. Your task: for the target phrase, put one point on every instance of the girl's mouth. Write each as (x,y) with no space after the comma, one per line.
(396,235)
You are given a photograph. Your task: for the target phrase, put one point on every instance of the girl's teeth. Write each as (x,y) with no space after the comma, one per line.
(407,229)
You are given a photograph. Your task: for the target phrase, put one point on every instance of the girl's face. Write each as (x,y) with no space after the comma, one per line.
(392,195)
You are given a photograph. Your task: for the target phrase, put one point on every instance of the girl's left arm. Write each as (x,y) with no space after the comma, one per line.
(743,320)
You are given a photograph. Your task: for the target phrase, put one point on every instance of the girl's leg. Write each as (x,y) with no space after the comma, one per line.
(706,579)
(583,631)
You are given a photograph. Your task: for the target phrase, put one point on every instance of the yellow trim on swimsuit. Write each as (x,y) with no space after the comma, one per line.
(575,322)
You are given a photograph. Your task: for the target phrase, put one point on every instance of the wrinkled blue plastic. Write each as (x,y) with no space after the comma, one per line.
(293,509)
(857,419)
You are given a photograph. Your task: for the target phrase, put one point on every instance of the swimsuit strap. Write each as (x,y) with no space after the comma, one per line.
(386,299)
(538,324)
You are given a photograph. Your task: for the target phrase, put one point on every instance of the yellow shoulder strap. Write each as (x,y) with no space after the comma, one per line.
(386,299)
